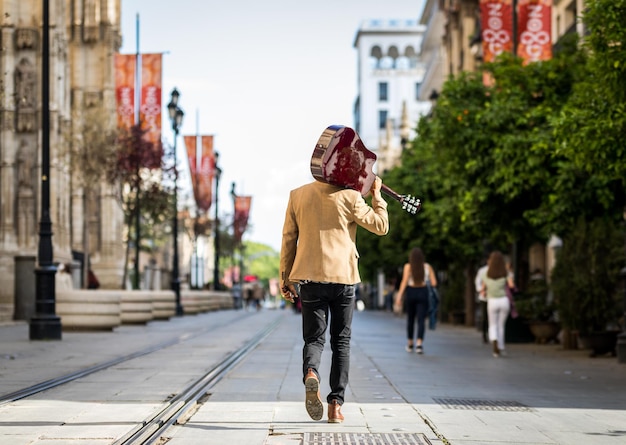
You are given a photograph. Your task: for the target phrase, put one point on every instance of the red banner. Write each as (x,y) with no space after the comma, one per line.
(496,27)
(150,106)
(125,69)
(242,210)
(192,156)
(534,30)
(206,171)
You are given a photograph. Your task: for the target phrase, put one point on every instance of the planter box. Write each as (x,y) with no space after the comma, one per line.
(163,304)
(192,302)
(89,310)
(136,307)
(545,331)
(600,343)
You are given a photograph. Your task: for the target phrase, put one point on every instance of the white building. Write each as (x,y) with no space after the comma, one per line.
(390,72)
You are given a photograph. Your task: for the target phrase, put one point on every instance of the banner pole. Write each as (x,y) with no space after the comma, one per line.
(515,27)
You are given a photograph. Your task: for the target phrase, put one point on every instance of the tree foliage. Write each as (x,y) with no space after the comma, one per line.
(533,153)
(92,153)
(483,165)
(143,177)
(590,130)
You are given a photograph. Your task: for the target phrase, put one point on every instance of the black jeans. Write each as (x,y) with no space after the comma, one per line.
(416,307)
(317,301)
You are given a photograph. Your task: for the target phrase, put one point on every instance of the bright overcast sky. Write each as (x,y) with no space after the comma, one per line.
(265,78)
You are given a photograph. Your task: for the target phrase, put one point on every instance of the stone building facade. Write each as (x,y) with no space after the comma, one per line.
(84,36)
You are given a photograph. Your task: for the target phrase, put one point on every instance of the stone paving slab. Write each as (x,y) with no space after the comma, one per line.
(559,397)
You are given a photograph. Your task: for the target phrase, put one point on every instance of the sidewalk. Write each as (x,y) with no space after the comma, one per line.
(455,393)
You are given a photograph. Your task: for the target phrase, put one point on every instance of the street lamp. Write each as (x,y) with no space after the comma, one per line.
(621,338)
(45,325)
(176,116)
(237,287)
(216,262)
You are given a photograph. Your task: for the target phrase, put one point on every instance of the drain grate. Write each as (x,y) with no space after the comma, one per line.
(365,439)
(477,404)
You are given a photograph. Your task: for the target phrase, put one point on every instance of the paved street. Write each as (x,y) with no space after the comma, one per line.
(456,393)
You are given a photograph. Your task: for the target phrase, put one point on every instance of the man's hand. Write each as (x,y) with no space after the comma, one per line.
(376,186)
(289,292)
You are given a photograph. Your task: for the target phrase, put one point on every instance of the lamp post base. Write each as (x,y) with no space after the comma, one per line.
(45,328)
(45,325)
(176,288)
(621,347)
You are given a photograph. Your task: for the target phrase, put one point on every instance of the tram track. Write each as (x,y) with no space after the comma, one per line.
(153,428)
(29,391)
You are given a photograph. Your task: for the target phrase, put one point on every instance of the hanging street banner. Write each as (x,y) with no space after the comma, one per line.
(125,66)
(192,156)
(534,30)
(496,21)
(242,210)
(150,104)
(206,172)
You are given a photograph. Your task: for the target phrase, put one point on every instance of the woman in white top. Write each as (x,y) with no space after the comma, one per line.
(495,280)
(415,293)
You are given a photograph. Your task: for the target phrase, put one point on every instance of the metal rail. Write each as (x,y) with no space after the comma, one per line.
(152,429)
(68,378)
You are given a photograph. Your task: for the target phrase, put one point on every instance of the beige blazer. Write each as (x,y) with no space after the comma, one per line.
(319,233)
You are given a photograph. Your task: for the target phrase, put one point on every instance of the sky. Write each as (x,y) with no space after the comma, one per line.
(265,78)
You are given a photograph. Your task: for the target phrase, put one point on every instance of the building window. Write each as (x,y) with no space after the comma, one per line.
(382,119)
(418,86)
(383,91)
(386,63)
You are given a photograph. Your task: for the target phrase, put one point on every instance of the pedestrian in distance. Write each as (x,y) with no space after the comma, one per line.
(92,280)
(319,261)
(417,275)
(495,279)
(258,295)
(482,301)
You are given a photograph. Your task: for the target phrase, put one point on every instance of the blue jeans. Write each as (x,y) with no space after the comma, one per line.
(318,300)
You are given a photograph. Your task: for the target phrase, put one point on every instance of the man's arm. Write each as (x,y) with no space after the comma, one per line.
(374,218)
(288,253)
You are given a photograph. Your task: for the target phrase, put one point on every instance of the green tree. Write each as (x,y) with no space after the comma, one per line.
(92,152)
(261,260)
(141,175)
(591,127)
(483,165)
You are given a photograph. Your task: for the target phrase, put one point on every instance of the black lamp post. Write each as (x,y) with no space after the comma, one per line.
(176,116)
(621,338)
(233,194)
(45,325)
(216,262)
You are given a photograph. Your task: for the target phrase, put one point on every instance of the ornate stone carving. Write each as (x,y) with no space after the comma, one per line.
(25,159)
(92,98)
(25,97)
(8,120)
(90,34)
(24,162)
(25,83)
(26,121)
(26,38)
